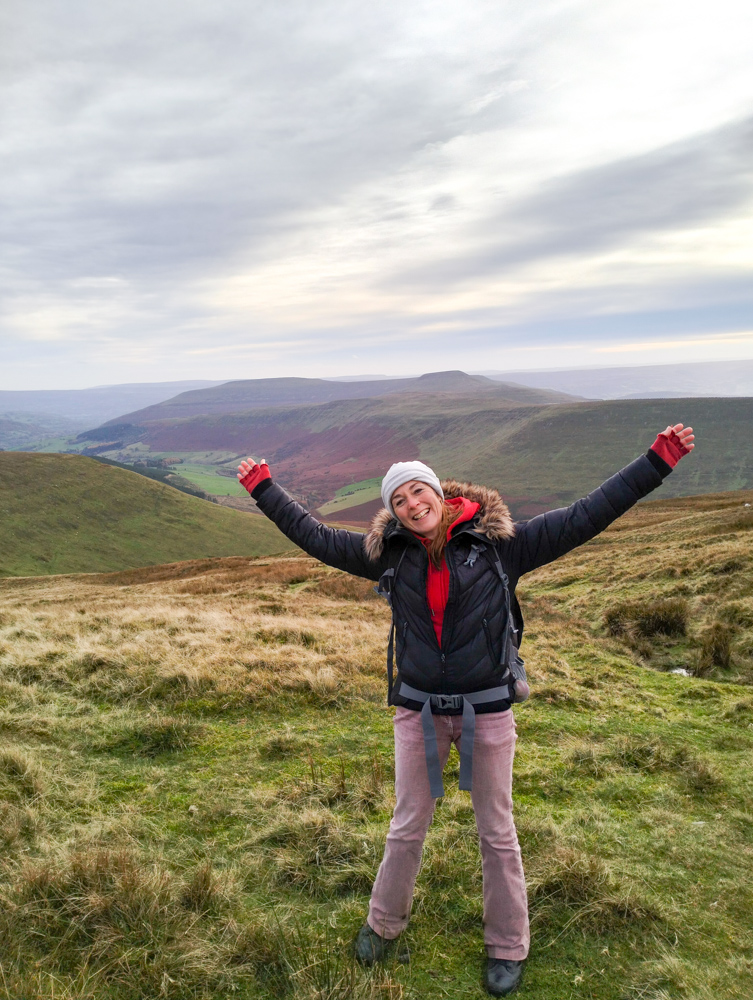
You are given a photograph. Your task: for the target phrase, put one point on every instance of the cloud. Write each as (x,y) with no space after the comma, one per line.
(681,186)
(183,178)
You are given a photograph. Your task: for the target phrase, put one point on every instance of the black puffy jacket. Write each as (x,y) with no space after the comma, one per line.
(476,614)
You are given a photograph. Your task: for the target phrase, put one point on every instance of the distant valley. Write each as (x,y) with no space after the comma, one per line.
(538,448)
(330,441)
(49,416)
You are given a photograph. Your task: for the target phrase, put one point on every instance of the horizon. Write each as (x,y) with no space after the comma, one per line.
(380,375)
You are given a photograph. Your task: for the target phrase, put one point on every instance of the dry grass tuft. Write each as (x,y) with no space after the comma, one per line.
(153,737)
(17,823)
(283,744)
(344,587)
(594,894)
(650,756)
(647,618)
(117,916)
(200,892)
(740,712)
(715,649)
(314,850)
(20,776)
(737,613)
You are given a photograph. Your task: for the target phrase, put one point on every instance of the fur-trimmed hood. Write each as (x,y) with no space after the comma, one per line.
(493,519)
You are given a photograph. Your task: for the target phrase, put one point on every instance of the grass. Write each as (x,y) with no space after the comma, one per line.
(353,495)
(66,513)
(210,481)
(671,582)
(196,782)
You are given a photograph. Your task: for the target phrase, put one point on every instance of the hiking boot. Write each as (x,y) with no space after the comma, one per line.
(503,976)
(371,948)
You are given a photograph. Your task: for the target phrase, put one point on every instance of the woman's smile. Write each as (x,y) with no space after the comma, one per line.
(418,507)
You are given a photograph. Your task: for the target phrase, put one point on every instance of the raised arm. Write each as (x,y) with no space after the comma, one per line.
(551,535)
(339,548)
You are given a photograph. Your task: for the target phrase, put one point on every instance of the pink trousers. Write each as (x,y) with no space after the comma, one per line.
(506,933)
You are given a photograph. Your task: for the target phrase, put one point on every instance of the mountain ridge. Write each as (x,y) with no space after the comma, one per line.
(253,394)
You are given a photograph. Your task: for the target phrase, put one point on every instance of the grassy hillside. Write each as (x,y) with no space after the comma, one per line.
(563,452)
(64,513)
(197,765)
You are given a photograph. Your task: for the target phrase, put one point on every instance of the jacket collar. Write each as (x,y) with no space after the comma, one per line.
(493,521)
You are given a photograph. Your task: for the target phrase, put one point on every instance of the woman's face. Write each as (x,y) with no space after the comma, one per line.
(418,508)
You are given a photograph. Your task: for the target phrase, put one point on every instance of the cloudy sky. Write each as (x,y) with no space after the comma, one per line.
(240,189)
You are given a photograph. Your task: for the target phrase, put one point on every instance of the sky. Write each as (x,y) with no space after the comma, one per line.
(241,189)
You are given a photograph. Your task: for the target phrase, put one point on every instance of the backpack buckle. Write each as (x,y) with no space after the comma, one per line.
(447,703)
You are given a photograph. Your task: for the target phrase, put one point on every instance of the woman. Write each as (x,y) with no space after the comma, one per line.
(448,557)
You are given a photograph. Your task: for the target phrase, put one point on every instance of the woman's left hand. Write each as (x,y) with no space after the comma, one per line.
(673,443)
(685,435)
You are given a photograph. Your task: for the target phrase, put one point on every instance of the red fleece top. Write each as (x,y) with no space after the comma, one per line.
(438,580)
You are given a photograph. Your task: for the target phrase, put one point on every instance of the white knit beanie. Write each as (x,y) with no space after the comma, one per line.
(404,472)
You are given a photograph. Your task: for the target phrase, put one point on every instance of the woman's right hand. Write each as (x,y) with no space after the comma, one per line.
(250,474)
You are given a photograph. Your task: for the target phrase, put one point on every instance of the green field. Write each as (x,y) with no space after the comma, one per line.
(65,513)
(197,763)
(208,480)
(353,495)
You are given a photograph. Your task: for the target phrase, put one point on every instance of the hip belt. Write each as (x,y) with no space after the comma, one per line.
(445,704)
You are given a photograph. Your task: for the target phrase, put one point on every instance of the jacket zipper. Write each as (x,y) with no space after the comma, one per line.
(404,633)
(489,644)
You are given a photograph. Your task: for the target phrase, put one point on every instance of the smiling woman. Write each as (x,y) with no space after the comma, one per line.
(448,556)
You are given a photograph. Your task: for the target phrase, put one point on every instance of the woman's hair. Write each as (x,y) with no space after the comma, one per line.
(435,548)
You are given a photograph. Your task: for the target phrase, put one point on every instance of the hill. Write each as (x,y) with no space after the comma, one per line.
(538,456)
(65,513)
(255,394)
(196,780)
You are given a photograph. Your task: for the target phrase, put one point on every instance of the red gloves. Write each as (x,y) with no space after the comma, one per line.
(256,475)
(669,447)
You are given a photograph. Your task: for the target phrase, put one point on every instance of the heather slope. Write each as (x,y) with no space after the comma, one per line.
(538,456)
(65,513)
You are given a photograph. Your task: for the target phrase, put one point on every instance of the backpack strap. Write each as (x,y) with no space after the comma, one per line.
(385,589)
(510,659)
(439,704)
